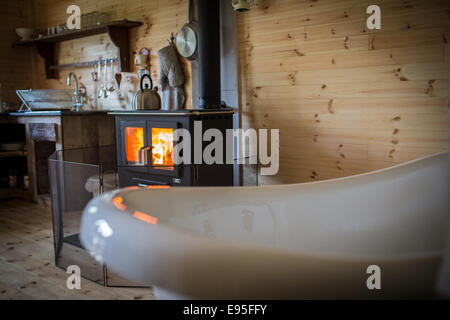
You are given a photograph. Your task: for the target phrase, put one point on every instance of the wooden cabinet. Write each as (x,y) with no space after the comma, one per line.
(47,133)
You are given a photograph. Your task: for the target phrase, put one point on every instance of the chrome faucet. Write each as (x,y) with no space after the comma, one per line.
(77,93)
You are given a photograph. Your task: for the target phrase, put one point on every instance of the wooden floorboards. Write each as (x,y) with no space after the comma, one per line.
(27,269)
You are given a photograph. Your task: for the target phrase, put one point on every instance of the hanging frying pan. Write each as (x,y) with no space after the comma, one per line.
(187,41)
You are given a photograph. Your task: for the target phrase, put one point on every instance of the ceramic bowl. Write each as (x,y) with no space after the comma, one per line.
(26,33)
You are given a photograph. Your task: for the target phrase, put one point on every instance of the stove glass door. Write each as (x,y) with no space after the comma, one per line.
(134,144)
(162,148)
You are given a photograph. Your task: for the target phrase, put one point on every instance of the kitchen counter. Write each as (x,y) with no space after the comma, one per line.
(57,113)
(172,112)
(59,130)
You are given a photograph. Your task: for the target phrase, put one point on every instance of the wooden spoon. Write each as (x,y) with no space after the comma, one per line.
(118,77)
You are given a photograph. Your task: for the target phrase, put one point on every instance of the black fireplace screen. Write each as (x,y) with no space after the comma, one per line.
(78,175)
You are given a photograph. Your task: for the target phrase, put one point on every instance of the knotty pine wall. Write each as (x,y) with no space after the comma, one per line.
(15,63)
(346,99)
(160,18)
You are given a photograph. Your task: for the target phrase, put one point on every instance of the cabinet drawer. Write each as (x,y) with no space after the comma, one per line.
(42,131)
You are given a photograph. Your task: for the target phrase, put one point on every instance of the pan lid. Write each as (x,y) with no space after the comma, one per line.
(186,42)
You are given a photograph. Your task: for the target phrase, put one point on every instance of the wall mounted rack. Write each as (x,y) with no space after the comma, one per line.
(83,64)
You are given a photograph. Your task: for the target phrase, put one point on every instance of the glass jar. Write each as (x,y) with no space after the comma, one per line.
(101,18)
(84,21)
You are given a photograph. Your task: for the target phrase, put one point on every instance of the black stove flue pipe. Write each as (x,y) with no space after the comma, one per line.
(209,54)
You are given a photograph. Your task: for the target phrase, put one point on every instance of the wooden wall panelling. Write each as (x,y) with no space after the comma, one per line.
(15,63)
(346,99)
(160,18)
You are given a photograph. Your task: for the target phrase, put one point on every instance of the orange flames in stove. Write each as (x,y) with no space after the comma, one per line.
(134,141)
(162,147)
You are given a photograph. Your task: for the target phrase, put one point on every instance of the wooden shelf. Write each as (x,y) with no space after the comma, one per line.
(76,34)
(12,193)
(5,154)
(117,31)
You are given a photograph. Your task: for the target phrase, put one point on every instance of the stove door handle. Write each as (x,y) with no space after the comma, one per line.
(146,156)
(141,155)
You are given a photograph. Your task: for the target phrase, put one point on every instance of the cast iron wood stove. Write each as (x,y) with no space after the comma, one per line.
(145,148)
(145,138)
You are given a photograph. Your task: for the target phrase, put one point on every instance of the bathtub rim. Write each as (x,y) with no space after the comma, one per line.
(331,180)
(171,230)
(106,200)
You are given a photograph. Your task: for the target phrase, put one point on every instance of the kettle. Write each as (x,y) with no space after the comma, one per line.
(146,98)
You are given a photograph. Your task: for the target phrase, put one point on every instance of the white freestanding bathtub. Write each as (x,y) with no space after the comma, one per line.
(307,240)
